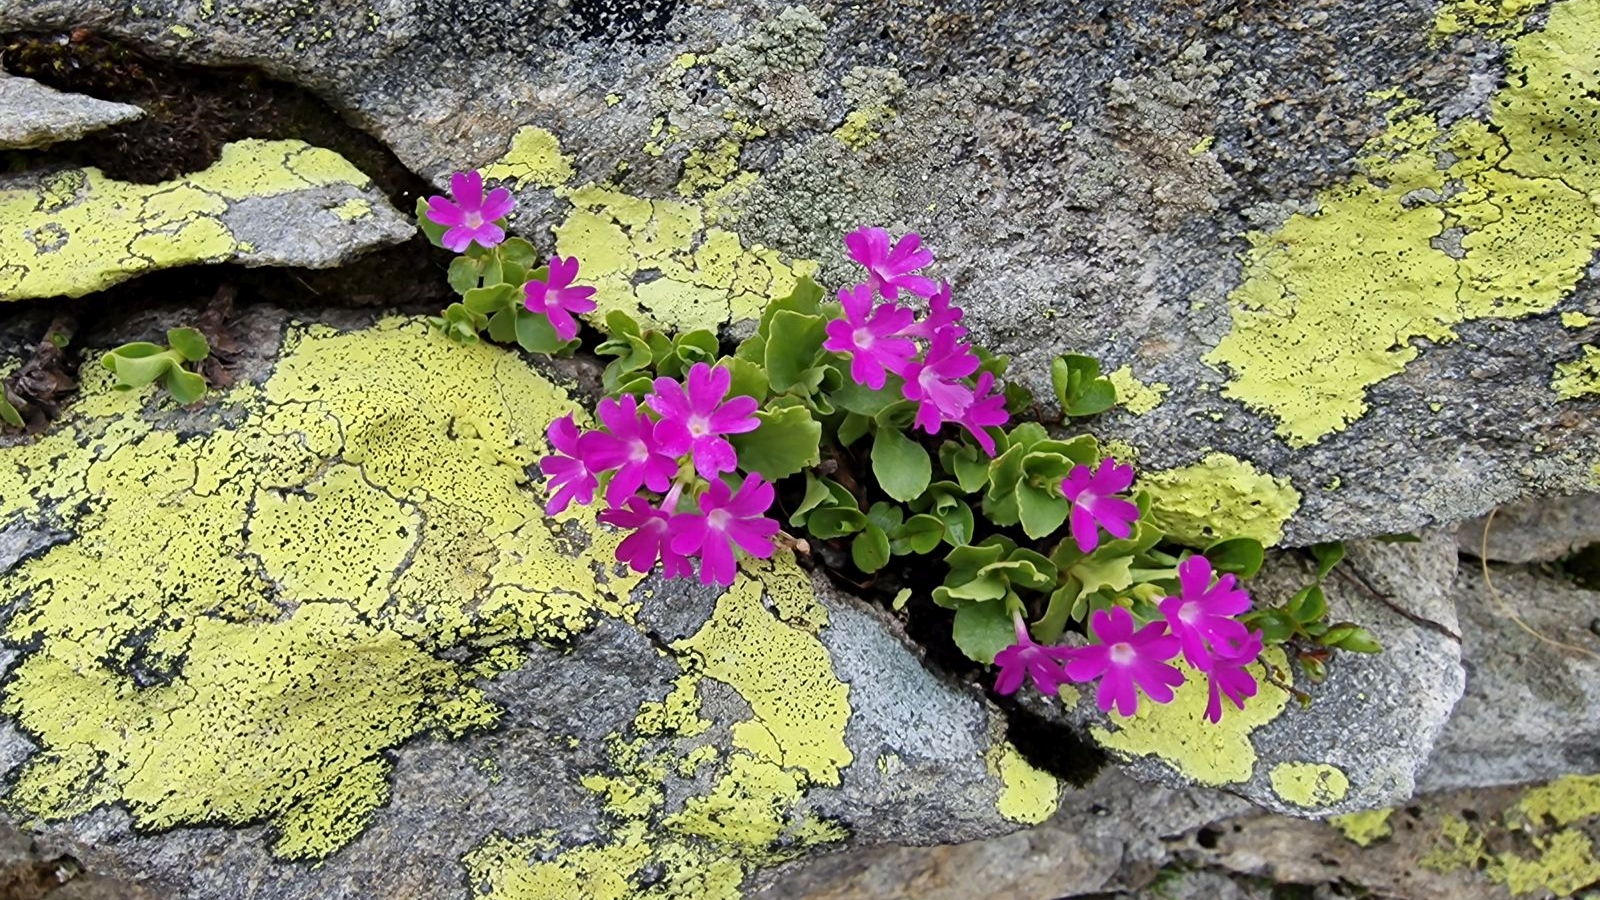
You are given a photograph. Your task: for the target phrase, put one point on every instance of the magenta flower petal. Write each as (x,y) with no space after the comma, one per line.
(869,335)
(695,416)
(1093,508)
(1126,661)
(650,540)
(1027,659)
(726,519)
(557,298)
(467,215)
(569,475)
(498,204)
(891,270)
(627,444)
(1230,677)
(1201,616)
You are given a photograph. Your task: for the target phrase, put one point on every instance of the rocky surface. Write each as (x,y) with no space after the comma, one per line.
(1533,681)
(201,700)
(1537,531)
(263,203)
(32,115)
(1359,739)
(1090,174)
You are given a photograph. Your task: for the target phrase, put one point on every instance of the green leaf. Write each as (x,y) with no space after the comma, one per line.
(139,363)
(1040,511)
(1241,556)
(899,415)
(792,348)
(901,466)
(1360,641)
(817,493)
(887,516)
(858,398)
(983,629)
(1063,606)
(919,534)
(1078,386)
(520,253)
(748,379)
(619,323)
(434,233)
(1327,555)
(784,442)
(461,324)
(967,463)
(1275,625)
(464,274)
(853,428)
(535,334)
(486,301)
(958,522)
(870,549)
(632,355)
(8,413)
(805,299)
(836,522)
(189,343)
(185,387)
(1309,605)
(696,347)
(503,326)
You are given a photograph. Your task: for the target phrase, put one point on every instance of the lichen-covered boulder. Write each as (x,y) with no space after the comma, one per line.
(263,203)
(315,638)
(32,115)
(1357,740)
(1343,251)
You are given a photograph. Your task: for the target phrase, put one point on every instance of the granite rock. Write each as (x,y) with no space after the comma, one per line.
(32,115)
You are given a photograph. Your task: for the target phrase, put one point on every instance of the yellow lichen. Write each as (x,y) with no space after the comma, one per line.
(1560,860)
(1134,395)
(1500,18)
(1364,828)
(354,209)
(862,126)
(1336,300)
(252,612)
(1178,732)
(1027,795)
(1308,784)
(1576,320)
(1579,377)
(1220,496)
(1566,800)
(793,740)
(535,158)
(81,232)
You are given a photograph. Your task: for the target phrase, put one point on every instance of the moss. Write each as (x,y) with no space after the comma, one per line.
(1579,377)
(197,654)
(1333,302)
(79,231)
(1364,828)
(1178,733)
(1309,785)
(1219,497)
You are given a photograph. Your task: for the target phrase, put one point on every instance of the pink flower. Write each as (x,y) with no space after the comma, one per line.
(942,316)
(890,270)
(569,474)
(1028,659)
(557,299)
(1201,614)
(867,333)
(985,410)
(651,538)
(1094,507)
(935,381)
(1125,661)
(468,214)
(1228,675)
(726,519)
(629,445)
(694,421)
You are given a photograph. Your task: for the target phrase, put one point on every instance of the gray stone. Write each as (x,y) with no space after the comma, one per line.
(345,655)
(1537,531)
(1088,180)
(32,115)
(1533,681)
(1113,834)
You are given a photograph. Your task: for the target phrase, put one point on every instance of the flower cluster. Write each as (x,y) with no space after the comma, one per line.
(472,219)
(1198,623)
(660,467)
(882,337)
